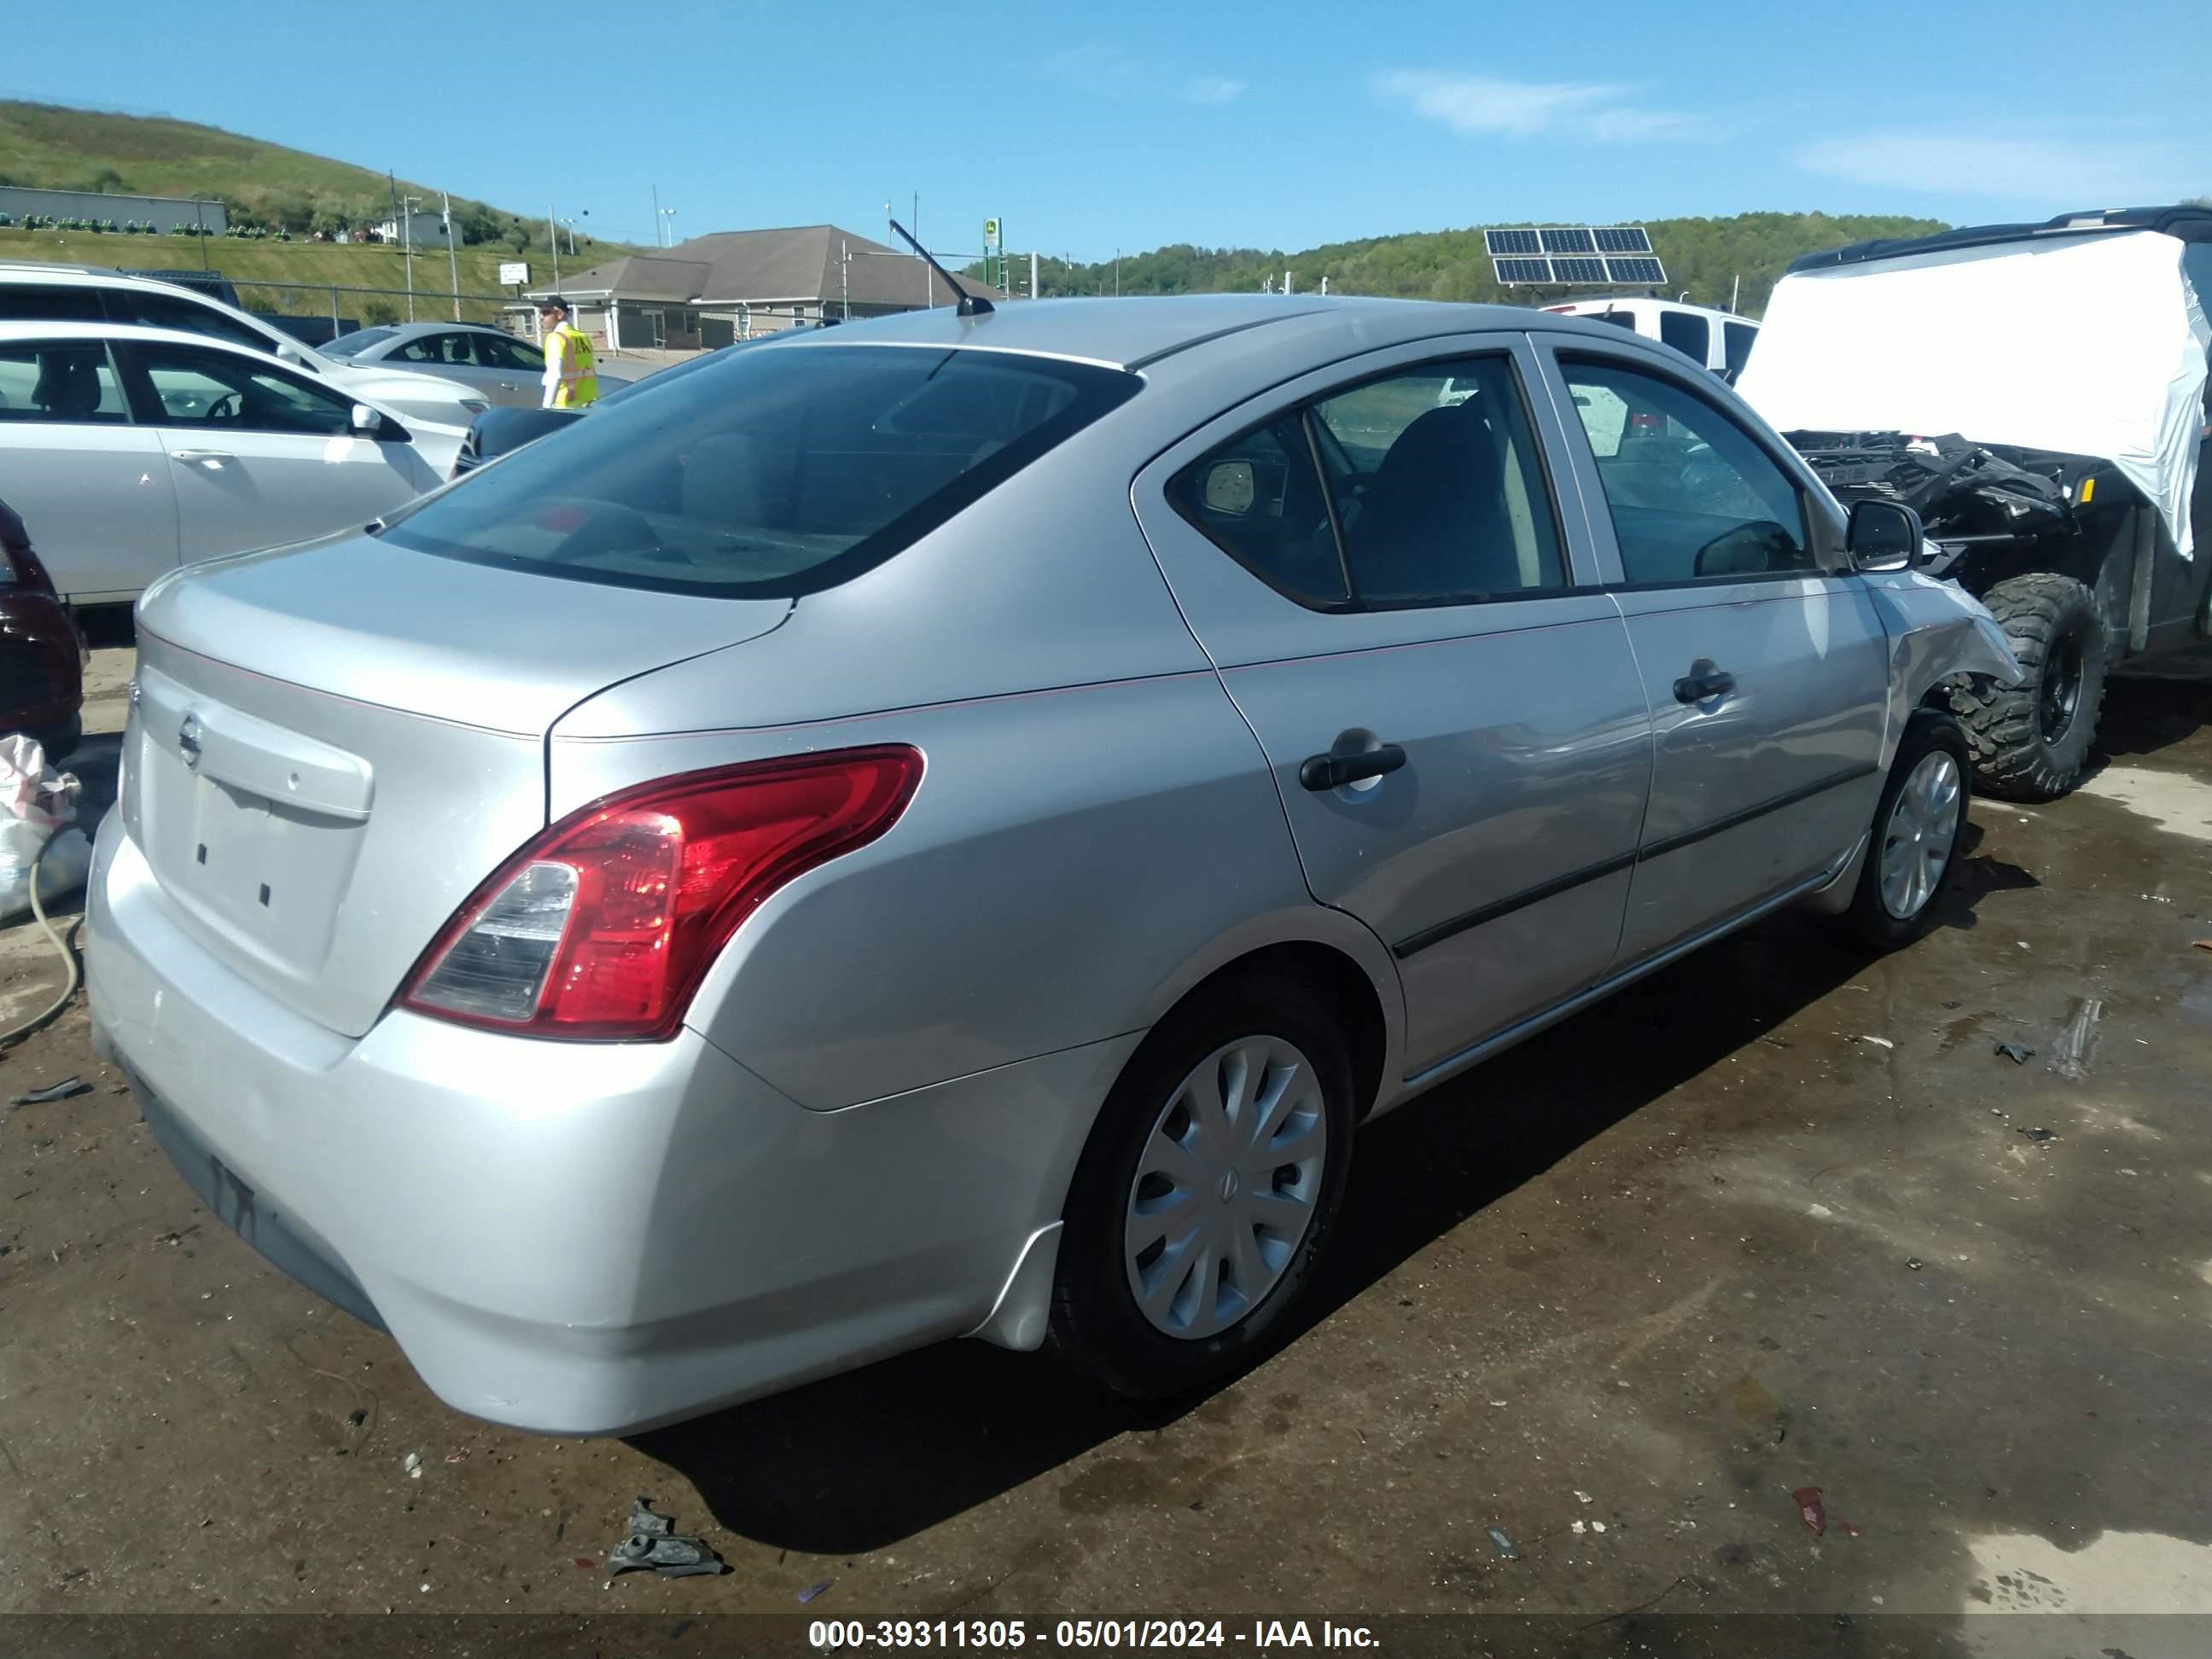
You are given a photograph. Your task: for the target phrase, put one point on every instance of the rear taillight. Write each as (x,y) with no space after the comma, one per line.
(603,926)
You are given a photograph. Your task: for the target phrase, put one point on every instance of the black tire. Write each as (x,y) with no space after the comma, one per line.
(1929,732)
(2031,741)
(1096,1327)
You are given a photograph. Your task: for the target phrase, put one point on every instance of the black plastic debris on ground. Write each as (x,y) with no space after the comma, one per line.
(654,1545)
(2015,1053)
(61,1091)
(2040,1136)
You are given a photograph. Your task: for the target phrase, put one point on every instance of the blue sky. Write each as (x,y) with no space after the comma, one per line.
(1095,128)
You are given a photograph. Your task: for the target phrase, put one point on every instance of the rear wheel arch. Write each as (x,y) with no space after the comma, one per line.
(1358,984)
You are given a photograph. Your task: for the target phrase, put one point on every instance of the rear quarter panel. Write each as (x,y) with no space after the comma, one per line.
(1072,861)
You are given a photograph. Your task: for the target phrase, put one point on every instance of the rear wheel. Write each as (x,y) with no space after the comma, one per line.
(1206,1192)
(2031,741)
(1913,851)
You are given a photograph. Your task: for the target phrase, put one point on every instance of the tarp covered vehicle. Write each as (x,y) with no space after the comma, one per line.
(2038,394)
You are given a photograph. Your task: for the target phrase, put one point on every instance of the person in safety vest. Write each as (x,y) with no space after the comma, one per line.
(570,379)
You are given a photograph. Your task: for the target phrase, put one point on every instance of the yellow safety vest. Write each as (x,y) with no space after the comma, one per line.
(580,384)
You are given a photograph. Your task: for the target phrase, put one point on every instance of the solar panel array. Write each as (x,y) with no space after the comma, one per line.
(1574,256)
(1524,272)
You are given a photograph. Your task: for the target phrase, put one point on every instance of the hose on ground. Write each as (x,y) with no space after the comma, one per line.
(76,973)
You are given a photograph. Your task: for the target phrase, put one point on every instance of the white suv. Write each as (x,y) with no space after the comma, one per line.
(1718,339)
(33,293)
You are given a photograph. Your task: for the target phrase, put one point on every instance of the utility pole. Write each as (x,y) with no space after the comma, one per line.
(845,281)
(407,248)
(1032,273)
(553,241)
(657,242)
(1735,293)
(452,259)
(1118,273)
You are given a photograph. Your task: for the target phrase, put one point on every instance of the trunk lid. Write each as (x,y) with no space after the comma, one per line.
(330,746)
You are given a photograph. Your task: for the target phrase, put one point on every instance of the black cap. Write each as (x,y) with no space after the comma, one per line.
(554,302)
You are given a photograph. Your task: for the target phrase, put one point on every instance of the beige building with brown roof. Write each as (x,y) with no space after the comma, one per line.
(712,289)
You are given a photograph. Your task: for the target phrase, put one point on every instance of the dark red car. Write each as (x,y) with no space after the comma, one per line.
(42,656)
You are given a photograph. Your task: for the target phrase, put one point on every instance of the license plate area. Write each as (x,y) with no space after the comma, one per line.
(264,871)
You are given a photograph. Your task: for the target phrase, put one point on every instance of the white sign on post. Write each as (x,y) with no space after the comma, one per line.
(513,274)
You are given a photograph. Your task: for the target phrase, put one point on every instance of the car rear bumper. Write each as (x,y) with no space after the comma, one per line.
(581,1238)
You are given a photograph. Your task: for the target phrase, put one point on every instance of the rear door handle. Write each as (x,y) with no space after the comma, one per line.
(1703,681)
(1321,772)
(217,457)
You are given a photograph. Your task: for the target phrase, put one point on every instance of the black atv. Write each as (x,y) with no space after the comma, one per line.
(2074,561)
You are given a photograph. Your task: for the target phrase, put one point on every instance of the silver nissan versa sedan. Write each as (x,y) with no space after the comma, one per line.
(946,826)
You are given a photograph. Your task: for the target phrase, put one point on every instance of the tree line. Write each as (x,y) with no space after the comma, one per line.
(1710,259)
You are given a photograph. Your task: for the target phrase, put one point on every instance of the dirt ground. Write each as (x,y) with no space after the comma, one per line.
(1778,1217)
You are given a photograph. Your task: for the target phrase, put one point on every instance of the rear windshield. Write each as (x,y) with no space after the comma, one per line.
(776,472)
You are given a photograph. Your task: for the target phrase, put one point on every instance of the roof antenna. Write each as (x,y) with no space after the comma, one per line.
(971,305)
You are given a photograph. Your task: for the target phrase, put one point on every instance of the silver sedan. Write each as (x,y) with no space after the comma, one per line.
(947,826)
(497,366)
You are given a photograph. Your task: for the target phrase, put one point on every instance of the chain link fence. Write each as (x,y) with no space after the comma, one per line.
(321,311)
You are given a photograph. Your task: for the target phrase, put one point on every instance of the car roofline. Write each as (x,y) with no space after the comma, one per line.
(2185,222)
(34,330)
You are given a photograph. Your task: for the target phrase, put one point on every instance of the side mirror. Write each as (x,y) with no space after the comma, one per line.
(1883,536)
(367,421)
(1231,488)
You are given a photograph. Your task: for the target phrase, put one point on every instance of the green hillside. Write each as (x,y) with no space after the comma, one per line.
(1704,256)
(53,148)
(310,268)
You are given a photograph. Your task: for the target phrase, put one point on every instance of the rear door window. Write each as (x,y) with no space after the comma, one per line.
(1686,333)
(1417,489)
(72,383)
(773,472)
(1259,499)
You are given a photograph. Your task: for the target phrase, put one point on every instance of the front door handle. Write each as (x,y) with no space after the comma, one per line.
(1704,680)
(1321,772)
(213,457)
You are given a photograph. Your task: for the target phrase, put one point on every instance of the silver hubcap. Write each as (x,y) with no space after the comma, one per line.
(1225,1187)
(1916,845)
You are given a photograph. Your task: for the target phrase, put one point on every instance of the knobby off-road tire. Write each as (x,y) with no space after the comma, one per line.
(2031,741)
(1163,1188)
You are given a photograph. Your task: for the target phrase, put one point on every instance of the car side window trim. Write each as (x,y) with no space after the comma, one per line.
(1823,528)
(1511,352)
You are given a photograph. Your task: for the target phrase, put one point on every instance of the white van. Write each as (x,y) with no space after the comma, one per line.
(1720,341)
